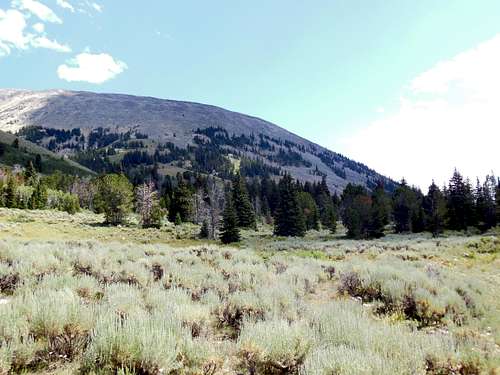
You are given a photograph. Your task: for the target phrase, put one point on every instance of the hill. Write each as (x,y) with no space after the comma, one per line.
(26,151)
(103,131)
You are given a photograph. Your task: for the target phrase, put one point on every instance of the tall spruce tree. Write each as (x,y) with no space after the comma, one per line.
(460,203)
(229,232)
(289,219)
(417,211)
(182,202)
(242,204)
(403,204)
(30,174)
(356,211)
(497,200)
(10,193)
(38,199)
(380,211)
(434,206)
(310,210)
(485,210)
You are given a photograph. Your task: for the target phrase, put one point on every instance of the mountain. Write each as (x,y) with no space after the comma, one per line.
(132,133)
(26,151)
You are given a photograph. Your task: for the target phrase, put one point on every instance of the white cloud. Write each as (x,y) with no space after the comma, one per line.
(449,118)
(12,25)
(14,34)
(39,27)
(43,42)
(66,5)
(97,7)
(92,68)
(38,9)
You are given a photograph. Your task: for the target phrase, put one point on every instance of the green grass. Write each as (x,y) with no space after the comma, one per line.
(77,297)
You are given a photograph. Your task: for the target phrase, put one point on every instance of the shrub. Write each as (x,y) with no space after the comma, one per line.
(426,297)
(141,343)
(274,347)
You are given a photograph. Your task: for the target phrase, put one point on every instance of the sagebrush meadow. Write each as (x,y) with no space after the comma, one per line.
(321,305)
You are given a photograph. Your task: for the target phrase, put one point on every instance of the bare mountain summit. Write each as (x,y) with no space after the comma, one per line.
(165,127)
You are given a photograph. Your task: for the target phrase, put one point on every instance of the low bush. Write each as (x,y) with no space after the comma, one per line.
(274,346)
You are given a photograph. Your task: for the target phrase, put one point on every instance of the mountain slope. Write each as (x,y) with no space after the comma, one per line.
(51,162)
(173,124)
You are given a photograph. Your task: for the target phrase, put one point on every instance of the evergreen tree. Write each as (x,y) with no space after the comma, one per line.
(485,209)
(10,193)
(356,211)
(30,175)
(497,200)
(204,230)
(38,199)
(380,211)
(459,203)
(15,144)
(178,219)
(242,204)
(38,163)
(403,204)
(417,211)
(114,196)
(182,202)
(229,232)
(289,219)
(434,206)
(310,210)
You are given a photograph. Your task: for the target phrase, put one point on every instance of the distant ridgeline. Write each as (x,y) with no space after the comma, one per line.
(212,150)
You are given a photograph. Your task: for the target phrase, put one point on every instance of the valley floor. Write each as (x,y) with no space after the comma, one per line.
(79,297)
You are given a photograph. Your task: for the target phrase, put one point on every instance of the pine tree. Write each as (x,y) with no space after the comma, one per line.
(38,163)
(182,202)
(380,211)
(204,230)
(30,175)
(310,210)
(38,199)
(114,197)
(229,232)
(356,211)
(417,211)
(242,204)
(10,193)
(403,204)
(485,204)
(434,206)
(289,219)
(178,219)
(497,200)
(460,203)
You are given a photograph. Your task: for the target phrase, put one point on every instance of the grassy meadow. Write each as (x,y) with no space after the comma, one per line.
(80,297)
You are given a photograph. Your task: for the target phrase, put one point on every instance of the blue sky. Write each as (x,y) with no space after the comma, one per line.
(345,74)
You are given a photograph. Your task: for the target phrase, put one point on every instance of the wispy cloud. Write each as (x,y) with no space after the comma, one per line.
(44,42)
(66,5)
(91,68)
(97,7)
(448,118)
(14,36)
(12,25)
(38,9)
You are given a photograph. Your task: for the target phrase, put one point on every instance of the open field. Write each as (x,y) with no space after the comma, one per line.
(79,297)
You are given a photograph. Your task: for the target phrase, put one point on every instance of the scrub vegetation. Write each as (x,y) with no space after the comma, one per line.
(91,299)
